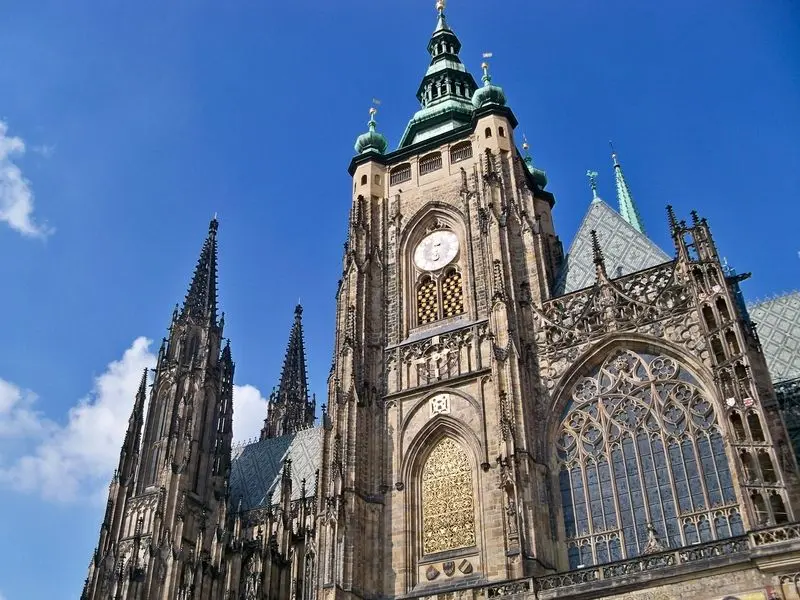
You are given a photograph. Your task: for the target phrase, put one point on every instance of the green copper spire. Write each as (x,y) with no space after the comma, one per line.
(372,141)
(627,208)
(446,90)
(592,175)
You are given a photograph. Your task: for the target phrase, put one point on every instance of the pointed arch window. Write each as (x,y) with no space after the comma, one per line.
(436,284)
(448,511)
(439,297)
(641,454)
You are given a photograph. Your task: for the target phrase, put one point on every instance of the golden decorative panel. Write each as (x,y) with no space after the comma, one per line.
(448,513)
(427,302)
(452,294)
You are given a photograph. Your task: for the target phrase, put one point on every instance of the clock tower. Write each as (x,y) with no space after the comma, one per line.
(429,480)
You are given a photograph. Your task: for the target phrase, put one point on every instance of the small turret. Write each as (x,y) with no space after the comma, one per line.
(371,141)
(489,93)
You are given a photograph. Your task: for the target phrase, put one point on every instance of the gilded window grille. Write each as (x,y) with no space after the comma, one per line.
(640,446)
(452,294)
(448,512)
(427,301)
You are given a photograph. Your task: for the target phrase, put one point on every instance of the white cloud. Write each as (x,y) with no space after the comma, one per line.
(249,411)
(76,460)
(16,196)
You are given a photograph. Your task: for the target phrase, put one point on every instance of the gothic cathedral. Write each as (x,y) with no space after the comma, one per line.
(503,420)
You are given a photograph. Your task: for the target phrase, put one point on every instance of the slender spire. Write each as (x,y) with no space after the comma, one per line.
(290,409)
(133,435)
(592,175)
(445,93)
(597,255)
(201,299)
(627,207)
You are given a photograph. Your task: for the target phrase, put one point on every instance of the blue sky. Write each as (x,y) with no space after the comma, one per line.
(126,126)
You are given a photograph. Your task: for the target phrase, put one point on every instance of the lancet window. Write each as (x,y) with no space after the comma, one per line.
(642,463)
(448,511)
(438,286)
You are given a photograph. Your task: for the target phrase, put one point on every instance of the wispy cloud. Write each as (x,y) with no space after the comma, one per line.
(75,460)
(46,151)
(16,195)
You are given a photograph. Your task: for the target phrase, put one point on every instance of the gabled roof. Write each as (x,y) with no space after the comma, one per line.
(256,468)
(626,250)
(778,322)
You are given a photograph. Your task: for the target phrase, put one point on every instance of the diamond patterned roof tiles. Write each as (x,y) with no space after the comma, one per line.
(256,468)
(626,250)
(778,323)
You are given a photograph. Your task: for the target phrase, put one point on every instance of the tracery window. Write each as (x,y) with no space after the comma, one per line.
(642,462)
(452,294)
(438,283)
(427,301)
(448,513)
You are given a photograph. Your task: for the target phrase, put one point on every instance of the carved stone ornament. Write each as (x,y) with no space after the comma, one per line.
(465,567)
(439,405)
(431,573)
(621,305)
(449,567)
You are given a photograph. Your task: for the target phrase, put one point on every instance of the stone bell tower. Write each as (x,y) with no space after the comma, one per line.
(428,482)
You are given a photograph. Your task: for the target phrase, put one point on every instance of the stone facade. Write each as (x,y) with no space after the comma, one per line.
(486,435)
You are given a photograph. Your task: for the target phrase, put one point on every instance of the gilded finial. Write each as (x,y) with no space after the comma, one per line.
(440,4)
(592,175)
(613,153)
(485,66)
(371,123)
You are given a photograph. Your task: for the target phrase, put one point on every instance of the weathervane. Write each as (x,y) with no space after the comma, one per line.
(485,65)
(592,175)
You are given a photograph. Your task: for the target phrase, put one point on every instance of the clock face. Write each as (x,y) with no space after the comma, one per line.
(436,250)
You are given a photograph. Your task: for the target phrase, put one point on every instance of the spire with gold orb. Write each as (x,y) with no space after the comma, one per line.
(539,176)
(489,93)
(371,141)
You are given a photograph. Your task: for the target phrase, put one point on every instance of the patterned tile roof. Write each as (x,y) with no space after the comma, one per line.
(256,468)
(778,323)
(626,250)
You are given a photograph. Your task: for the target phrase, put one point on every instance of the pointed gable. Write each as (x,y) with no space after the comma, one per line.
(626,250)
(778,322)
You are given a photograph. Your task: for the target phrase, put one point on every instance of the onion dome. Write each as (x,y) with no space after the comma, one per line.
(371,141)
(539,176)
(489,93)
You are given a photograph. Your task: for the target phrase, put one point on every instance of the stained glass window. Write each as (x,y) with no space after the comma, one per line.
(640,445)
(448,514)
